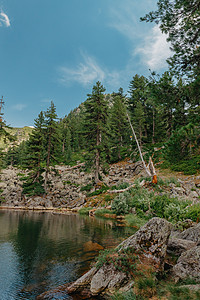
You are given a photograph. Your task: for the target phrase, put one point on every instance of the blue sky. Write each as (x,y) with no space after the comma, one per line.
(57,50)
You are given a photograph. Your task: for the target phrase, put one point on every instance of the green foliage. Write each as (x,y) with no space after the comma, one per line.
(120,205)
(103,189)
(33,188)
(145,283)
(84,210)
(103,257)
(133,220)
(179,20)
(189,166)
(87,187)
(94,126)
(141,200)
(193,212)
(123,261)
(102,212)
(183,143)
(125,296)
(120,186)
(108,198)
(33,183)
(169,208)
(118,125)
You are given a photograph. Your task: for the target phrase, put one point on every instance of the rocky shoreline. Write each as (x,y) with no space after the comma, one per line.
(66,188)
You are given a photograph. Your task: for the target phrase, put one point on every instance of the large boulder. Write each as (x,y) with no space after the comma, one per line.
(152,239)
(188,265)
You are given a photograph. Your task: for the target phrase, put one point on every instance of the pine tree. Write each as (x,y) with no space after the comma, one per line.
(118,123)
(53,140)
(180,20)
(33,184)
(96,114)
(138,90)
(68,149)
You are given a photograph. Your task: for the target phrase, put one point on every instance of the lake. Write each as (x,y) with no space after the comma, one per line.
(42,250)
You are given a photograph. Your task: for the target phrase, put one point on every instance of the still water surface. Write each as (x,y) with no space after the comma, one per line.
(40,251)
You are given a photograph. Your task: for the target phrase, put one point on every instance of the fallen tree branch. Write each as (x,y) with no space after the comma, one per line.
(141,156)
(150,169)
(75,167)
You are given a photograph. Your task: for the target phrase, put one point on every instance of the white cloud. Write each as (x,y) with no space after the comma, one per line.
(88,72)
(124,20)
(146,41)
(4,20)
(155,49)
(19,106)
(85,73)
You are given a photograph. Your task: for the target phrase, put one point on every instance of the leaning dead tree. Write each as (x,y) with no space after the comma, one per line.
(150,169)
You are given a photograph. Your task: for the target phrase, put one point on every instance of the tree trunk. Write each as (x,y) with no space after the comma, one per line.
(141,156)
(153,137)
(97,158)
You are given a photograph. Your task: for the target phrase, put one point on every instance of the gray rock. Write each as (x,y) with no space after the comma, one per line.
(82,282)
(153,238)
(106,278)
(193,194)
(178,246)
(191,234)
(188,265)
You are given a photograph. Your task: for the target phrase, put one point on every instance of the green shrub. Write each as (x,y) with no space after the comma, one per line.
(84,210)
(183,143)
(108,198)
(120,186)
(193,212)
(141,199)
(169,208)
(102,190)
(120,204)
(103,211)
(86,188)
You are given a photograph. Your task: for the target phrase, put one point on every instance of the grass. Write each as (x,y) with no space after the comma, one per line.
(125,296)
(134,221)
(84,210)
(103,211)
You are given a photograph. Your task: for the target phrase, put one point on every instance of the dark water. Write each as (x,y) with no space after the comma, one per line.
(40,251)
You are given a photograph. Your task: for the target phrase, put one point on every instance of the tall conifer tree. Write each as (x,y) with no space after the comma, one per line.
(53,141)
(96,113)
(33,184)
